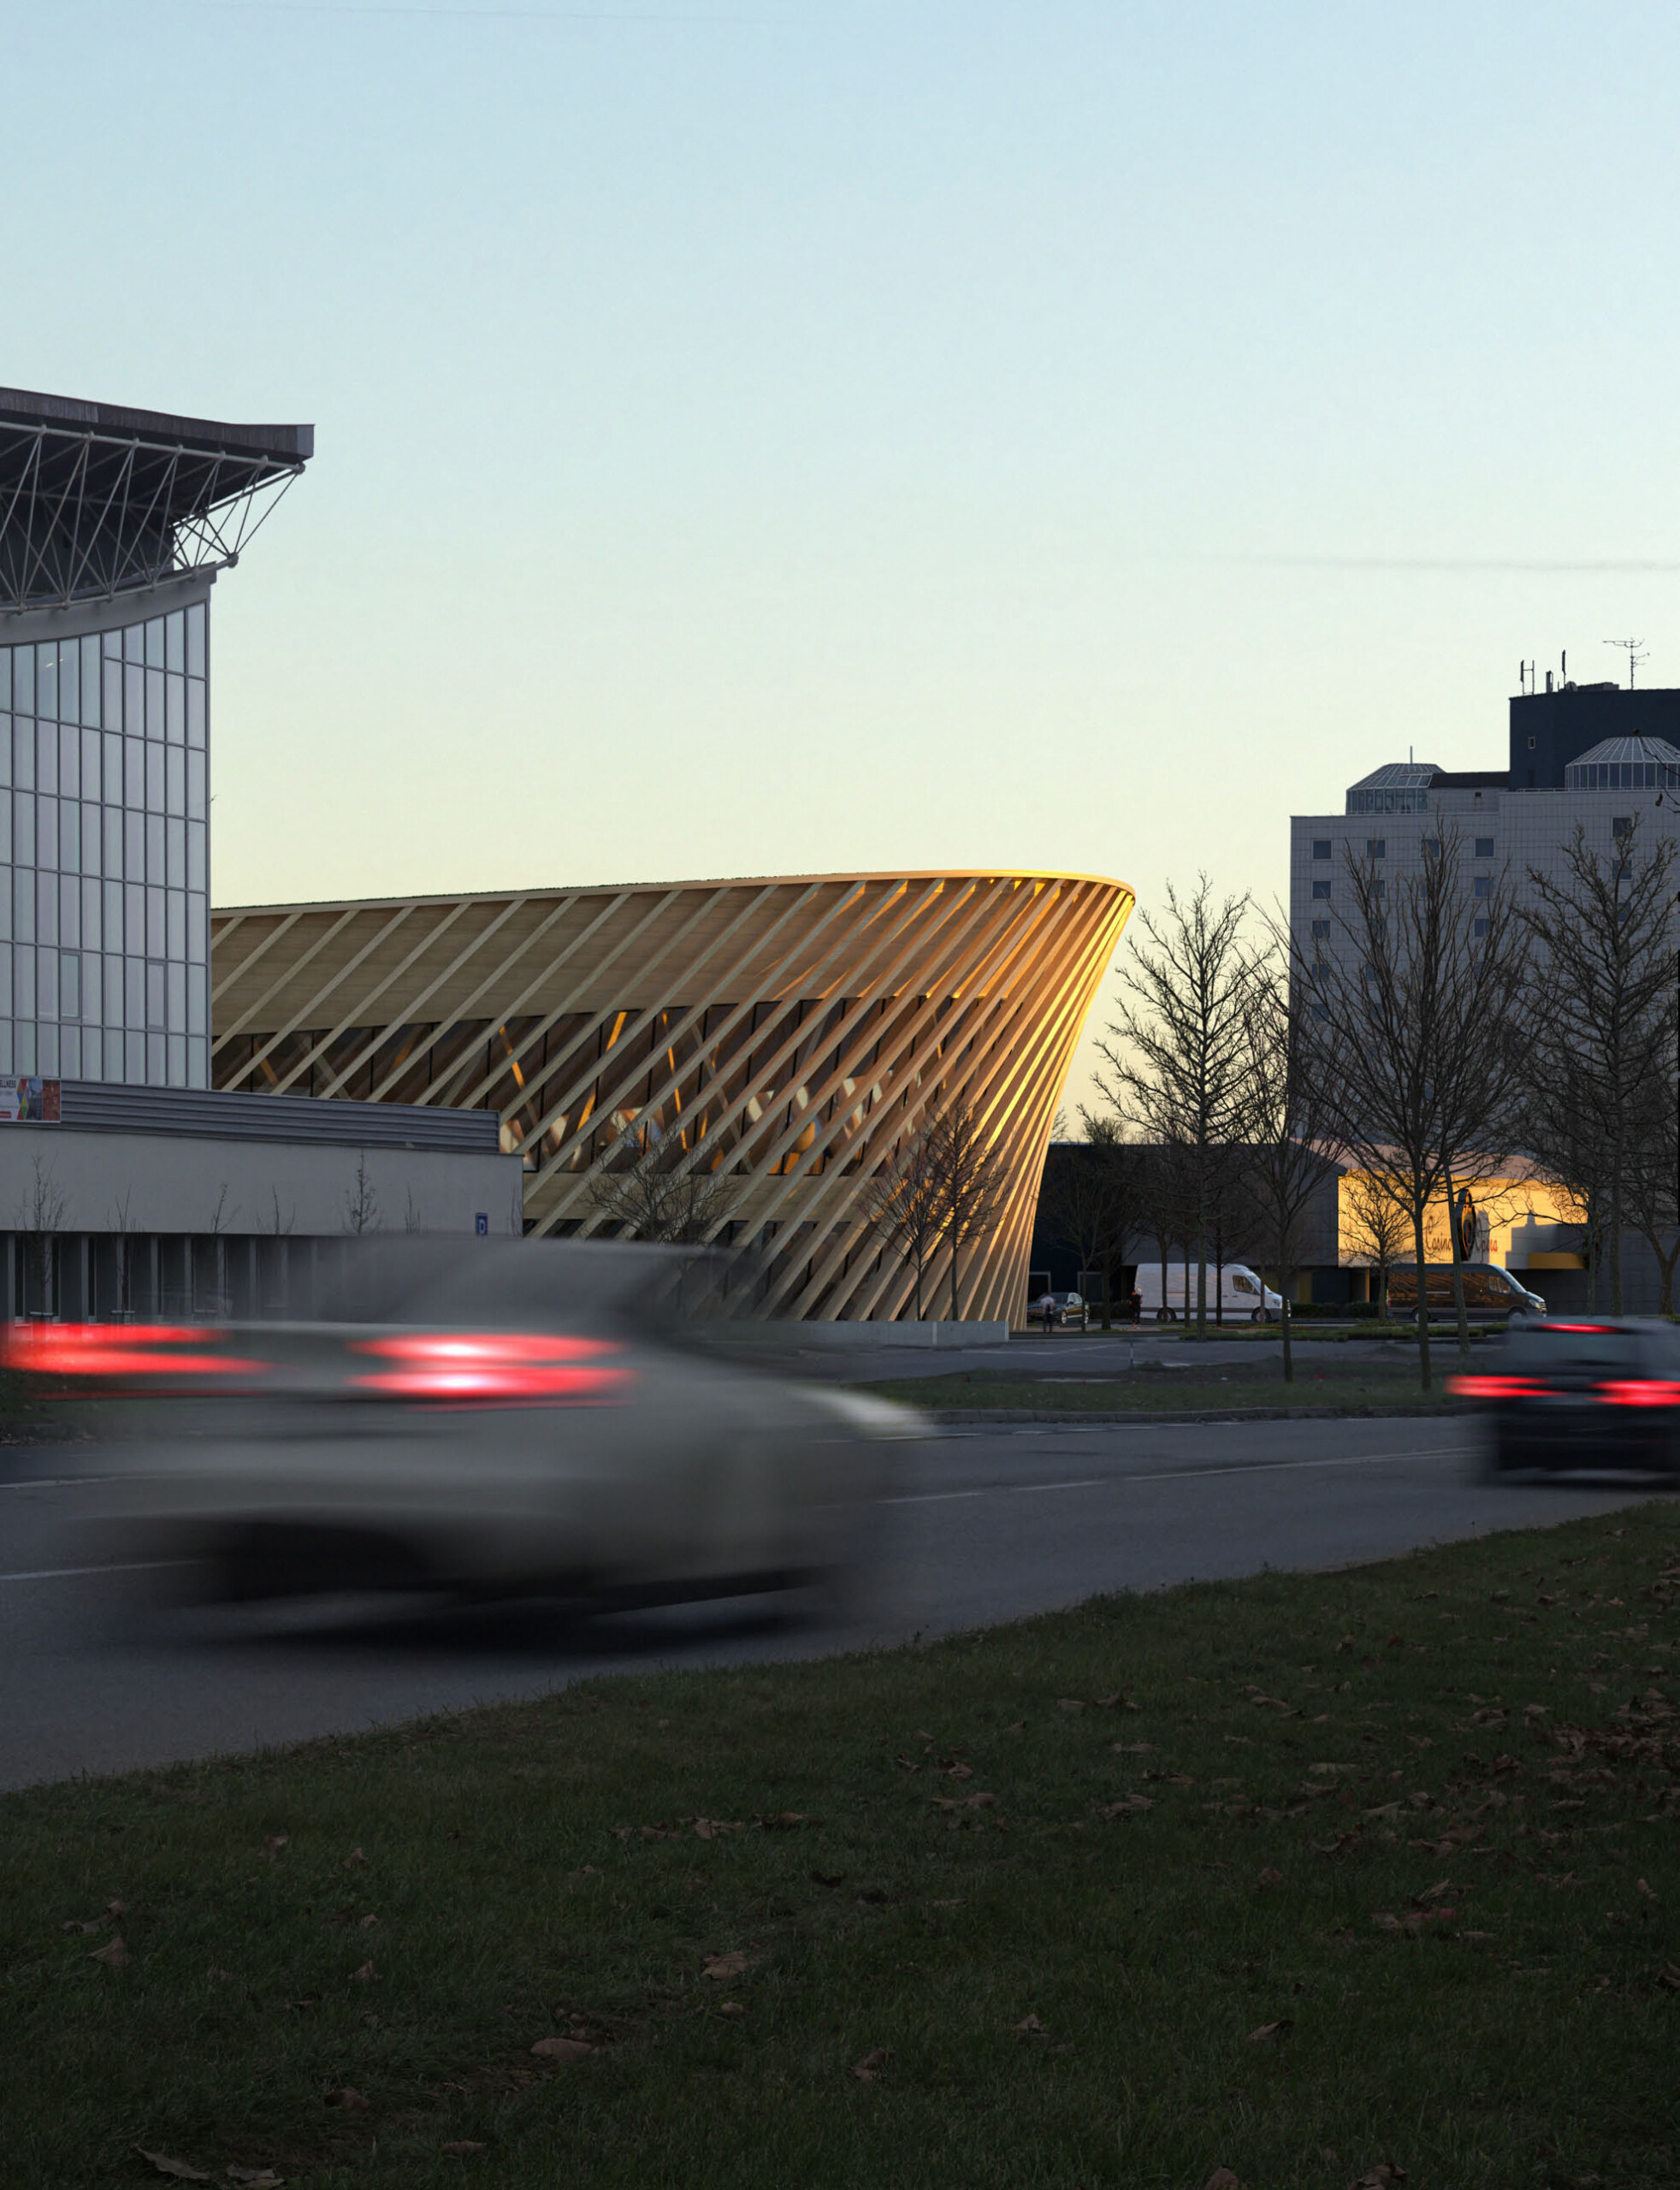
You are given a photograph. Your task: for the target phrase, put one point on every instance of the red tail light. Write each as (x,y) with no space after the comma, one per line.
(1643,1391)
(493,1365)
(1494,1387)
(122,1351)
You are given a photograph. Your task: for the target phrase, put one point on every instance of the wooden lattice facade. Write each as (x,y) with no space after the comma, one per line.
(793,1030)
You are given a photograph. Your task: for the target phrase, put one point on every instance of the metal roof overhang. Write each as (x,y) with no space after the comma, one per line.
(96,499)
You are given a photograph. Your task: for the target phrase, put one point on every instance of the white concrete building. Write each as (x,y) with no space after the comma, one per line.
(1601,758)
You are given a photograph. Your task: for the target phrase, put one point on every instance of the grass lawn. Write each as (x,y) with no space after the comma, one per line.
(1305,1878)
(1063,1385)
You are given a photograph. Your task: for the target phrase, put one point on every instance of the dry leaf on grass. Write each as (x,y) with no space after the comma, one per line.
(216,1974)
(785,1821)
(1269,2031)
(350,2099)
(275,1843)
(1029,2027)
(113,1953)
(1271,1878)
(1381,2177)
(872,2064)
(352,1859)
(562,2048)
(825,1878)
(1222,2179)
(731,2008)
(183,2170)
(366,1974)
(718,1967)
(255,2178)
(459,2147)
(1132,1806)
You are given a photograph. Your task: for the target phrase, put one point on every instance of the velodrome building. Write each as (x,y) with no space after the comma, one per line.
(191,1104)
(786,1033)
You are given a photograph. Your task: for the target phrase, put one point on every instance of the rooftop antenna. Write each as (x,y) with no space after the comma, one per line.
(1630,647)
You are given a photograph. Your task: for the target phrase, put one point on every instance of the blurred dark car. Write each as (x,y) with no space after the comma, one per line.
(1593,1393)
(532,1419)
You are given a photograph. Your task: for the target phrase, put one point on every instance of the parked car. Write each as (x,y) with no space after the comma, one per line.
(1489,1291)
(1589,1393)
(1241,1295)
(523,1420)
(1051,1311)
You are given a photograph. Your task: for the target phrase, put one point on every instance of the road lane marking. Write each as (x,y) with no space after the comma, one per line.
(1185,1475)
(123,1567)
(51,1481)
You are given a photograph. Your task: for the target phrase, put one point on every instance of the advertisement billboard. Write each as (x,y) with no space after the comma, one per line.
(27,1102)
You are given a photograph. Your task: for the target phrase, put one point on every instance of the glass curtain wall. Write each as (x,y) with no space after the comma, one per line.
(105,854)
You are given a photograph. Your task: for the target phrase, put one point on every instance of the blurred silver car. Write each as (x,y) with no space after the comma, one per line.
(492,1423)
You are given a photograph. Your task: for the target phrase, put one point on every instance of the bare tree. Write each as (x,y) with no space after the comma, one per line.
(1175,1058)
(1376,1224)
(1600,1006)
(120,1218)
(1651,1180)
(361,1202)
(1293,1138)
(217,1226)
(40,1218)
(1412,1017)
(668,1193)
(278,1225)
(901,1201)
(969,1183)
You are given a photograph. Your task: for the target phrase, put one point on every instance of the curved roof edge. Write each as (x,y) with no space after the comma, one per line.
(691,882)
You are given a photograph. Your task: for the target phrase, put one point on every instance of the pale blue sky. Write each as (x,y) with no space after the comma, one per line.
(798,437)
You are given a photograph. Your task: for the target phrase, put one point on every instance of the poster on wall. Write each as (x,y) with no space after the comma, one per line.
(28,1102)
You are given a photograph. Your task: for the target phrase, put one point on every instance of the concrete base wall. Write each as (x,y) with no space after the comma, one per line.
(64,1179)
(841,1338)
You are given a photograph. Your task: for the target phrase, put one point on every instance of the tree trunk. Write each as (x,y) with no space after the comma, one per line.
(1287,1322)
(1423,1288)
(1458,1309)
(956,1311)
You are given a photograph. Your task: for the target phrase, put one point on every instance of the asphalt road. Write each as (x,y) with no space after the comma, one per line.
(986,1524)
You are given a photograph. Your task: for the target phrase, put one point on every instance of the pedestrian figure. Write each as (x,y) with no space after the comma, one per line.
(1047,1307)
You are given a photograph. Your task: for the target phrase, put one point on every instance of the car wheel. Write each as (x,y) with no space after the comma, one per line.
(1256,1314)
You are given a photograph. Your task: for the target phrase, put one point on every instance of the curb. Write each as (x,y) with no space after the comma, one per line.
(954,1417)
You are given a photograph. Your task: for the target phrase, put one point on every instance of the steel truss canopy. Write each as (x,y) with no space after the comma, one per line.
(97,500)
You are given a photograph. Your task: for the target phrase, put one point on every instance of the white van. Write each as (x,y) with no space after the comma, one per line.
(1242,1295)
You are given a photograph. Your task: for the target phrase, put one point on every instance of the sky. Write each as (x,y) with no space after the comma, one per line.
(803,435)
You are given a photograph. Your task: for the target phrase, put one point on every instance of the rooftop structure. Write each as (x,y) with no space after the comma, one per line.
(96,499)
(1626,764)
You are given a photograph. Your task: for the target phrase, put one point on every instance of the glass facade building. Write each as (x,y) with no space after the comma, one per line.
(114,524)
(105,852)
